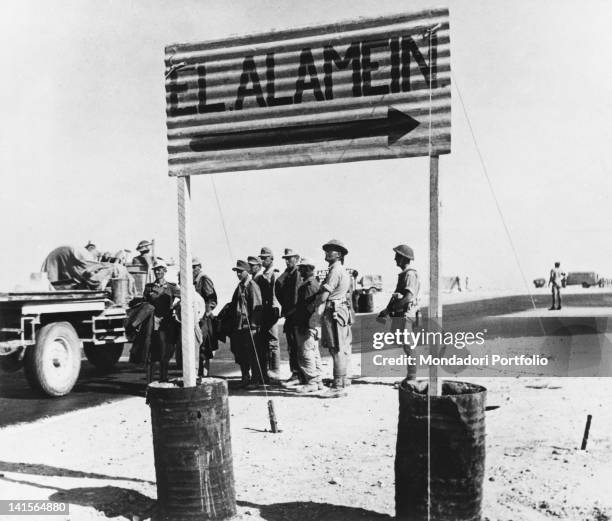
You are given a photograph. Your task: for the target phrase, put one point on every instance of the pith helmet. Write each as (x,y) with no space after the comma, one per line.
(335,245)
(405,251)
(241,265)
(143,245)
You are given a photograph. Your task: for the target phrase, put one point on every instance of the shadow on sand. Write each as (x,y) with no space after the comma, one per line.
(311,511)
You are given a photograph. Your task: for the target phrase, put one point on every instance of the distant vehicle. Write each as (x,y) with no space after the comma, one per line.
(539,283)
(586,279)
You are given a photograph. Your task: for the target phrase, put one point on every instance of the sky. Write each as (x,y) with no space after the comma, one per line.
(83,143)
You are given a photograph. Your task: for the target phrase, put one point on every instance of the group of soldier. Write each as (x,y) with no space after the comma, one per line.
(316,314)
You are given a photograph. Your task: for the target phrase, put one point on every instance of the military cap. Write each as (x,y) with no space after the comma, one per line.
(405,251)
(143,245)
(304,261)
(335,245)
(290,253)
(255,261)
(241,265)
(195,261)
(160,263)
(265,252)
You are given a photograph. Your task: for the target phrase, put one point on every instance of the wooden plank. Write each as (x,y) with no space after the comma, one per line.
(434,309)
(187,318)
(61,307)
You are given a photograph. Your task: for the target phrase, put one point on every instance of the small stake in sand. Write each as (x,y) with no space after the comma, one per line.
(587,428)
(272,413)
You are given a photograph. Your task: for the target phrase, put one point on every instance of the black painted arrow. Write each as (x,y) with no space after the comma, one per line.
(395,125)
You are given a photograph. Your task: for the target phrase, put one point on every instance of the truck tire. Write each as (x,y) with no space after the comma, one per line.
(53,364)
(103,358)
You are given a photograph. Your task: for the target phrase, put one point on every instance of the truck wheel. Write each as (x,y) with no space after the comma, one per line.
(103,358)
(53,364)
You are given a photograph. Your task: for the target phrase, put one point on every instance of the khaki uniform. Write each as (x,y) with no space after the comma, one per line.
(404,311)
(309,357)
(336,319)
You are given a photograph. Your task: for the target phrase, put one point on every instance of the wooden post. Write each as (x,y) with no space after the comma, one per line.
(187,319)
(434,314)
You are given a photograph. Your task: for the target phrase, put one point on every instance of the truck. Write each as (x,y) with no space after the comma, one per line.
(43,333)
(586,279)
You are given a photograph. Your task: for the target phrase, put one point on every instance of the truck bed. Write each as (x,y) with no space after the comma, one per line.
(53,296)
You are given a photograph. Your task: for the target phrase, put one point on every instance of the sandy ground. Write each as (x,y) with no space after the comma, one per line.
(334,458)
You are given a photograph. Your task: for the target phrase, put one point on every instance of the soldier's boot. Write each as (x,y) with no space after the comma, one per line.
(337,389)
(246,377)
(309,387)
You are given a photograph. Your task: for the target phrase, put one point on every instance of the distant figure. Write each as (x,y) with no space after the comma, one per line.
(456,283)
(556,281)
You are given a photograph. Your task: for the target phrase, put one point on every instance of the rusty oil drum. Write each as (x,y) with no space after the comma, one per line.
(193,453)
(456,458)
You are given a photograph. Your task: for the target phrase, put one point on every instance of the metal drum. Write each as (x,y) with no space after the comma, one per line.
(193,451)
(456,456)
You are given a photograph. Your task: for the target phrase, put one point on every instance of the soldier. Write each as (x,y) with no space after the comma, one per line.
(255,265)
(307,330)
(145,258)
(556,281)
(286,290)
(93,250)
(246,313)
(206,289)
(162,295)
(334,311)
(403,307)
(269,348)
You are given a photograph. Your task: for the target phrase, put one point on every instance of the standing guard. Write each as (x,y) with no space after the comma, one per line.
(403,307)
(335,314)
